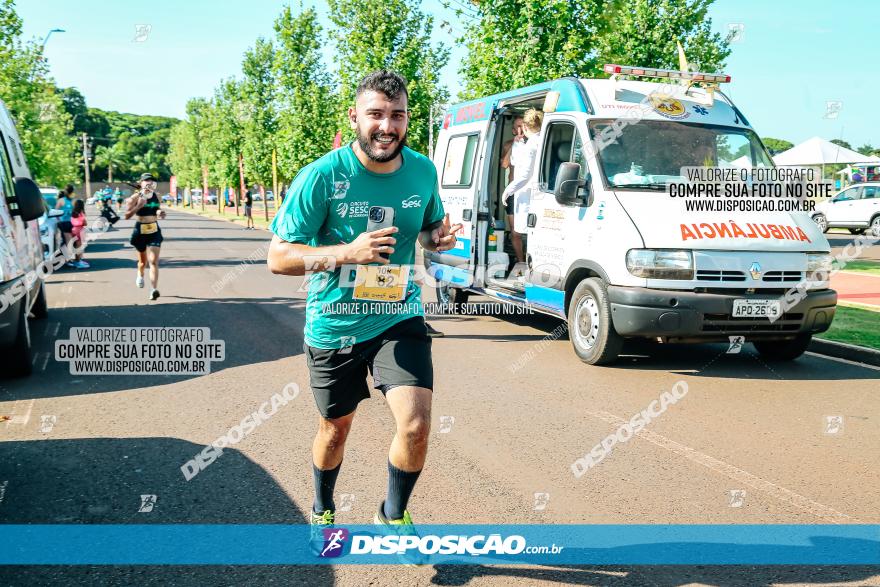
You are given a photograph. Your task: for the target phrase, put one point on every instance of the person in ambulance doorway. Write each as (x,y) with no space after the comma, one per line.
(518,137)
(522,158)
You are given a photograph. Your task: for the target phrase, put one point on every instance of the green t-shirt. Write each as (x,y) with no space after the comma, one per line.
(327,204)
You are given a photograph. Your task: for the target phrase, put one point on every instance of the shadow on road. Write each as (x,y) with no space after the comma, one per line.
(252,333)
(101,481)
(659,576)
(702,360)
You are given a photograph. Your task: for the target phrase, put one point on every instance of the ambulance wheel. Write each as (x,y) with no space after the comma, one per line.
(590,328)
(451,296)
(821,222)
(40,309)
(18,356)
(783,350)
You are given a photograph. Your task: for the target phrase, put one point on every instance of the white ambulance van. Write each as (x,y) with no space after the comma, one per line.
(22,291)
(607,249)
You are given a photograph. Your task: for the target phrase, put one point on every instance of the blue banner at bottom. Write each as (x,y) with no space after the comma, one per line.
(155,544)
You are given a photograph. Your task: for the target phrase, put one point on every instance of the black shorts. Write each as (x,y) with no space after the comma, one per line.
(399,356)
(508,207)
(142,241)
(65,226)
(247,210)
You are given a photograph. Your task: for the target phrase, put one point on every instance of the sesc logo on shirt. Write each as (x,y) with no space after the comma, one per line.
(414,201)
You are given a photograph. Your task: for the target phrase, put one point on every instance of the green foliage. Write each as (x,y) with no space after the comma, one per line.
(868,150)
(260,119)
(306,126)
(389,34)
(842,143)
(513,43)
(38,110)
(516,43)
(223,133)
(776,146)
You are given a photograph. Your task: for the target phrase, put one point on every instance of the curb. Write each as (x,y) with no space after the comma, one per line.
(842,350)
(237,221)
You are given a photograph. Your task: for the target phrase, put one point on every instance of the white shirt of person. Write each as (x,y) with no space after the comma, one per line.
(522,159)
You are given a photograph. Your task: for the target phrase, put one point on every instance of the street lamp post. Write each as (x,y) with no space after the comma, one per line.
(49,34)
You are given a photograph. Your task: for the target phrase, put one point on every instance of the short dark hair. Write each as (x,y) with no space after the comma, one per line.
(390,83)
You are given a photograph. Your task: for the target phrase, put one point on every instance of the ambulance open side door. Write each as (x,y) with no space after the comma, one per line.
(459,160)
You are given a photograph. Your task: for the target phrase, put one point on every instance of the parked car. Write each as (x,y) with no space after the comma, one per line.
(50,236)
(22,291)
(856,208)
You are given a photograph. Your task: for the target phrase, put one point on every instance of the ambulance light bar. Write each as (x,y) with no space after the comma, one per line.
(667,73)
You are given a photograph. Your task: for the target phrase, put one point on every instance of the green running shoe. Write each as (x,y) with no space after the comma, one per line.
(319,523)
(402,527)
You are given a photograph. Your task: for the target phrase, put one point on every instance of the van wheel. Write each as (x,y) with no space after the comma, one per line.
(783,350)
(821,222)
(875,226)
(19,355)
(857,230)
(40,309)
(589,324)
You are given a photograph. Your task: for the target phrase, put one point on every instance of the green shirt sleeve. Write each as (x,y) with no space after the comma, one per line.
(434,210)
(305,208)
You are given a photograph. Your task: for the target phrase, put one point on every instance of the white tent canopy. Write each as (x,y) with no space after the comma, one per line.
(818,151)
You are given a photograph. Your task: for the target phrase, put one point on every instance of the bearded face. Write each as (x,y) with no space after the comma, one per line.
(380,124)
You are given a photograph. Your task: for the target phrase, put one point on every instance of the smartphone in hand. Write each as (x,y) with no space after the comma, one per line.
(378,218)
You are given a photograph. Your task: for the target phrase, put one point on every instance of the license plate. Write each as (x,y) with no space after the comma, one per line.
(756,308)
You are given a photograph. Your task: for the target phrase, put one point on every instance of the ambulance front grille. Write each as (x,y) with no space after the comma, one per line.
(778,276)
(726,323)
(720,275)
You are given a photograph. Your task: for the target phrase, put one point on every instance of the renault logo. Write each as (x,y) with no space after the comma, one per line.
(755,270)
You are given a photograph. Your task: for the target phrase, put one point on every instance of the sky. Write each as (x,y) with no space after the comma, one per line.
(794,57)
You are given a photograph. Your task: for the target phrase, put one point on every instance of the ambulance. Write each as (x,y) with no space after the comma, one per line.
(606,247)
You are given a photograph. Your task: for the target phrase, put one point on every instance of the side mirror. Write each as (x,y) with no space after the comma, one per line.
(568,185)
(28,199)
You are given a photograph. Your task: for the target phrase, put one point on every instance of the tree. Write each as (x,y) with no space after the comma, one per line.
(260,120)
(38,111)
(645,32)
(149,162)
(110,158)
(188,154)
(389,34)
(512,43)
(776,146)
(867,149)
(305,131)
(842,143)
(223,133)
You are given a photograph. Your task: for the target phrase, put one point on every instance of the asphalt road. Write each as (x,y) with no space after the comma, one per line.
(744,426)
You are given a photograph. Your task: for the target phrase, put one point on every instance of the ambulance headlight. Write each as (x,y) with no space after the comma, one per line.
(660,263)
(819,267)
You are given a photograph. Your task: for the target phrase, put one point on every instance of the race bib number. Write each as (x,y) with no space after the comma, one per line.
(380,283)
(149,227)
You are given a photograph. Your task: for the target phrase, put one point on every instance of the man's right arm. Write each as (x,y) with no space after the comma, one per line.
(298,259)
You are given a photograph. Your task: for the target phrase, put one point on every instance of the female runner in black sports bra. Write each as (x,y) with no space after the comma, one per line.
(147,236)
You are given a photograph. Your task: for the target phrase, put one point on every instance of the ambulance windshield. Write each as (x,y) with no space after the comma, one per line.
(650,153)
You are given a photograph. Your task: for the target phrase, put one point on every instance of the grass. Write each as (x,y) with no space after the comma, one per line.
(855,326)
(863,266)
(210,211)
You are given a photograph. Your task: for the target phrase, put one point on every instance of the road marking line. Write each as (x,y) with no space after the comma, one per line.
(817,509)
(22,419)
(847,361)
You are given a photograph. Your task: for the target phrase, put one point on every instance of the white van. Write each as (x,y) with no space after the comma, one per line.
(609,250)
(22,292)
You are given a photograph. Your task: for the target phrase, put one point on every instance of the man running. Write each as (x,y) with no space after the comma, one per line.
(378,324)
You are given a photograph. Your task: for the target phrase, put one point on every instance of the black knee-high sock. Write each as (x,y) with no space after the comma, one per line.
(400,487)
(325,481)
